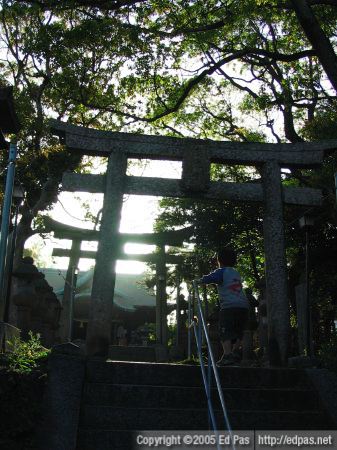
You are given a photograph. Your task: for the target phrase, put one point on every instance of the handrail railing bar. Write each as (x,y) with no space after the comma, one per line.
(215,370)
(199,329)
(189,320)
(208,394)
(206,308)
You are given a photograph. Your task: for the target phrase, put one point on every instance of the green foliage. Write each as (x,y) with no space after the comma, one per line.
(323,125)
(328,353)
(25,356)
(152,332)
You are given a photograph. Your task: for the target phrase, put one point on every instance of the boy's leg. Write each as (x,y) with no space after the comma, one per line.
(227,347)
(237,345)
(237,350)
(226,336)
(240,320)
(225,342)
(227,357)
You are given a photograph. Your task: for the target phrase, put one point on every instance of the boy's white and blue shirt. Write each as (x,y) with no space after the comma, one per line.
(229,286)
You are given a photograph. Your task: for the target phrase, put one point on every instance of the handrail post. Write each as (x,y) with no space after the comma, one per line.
(209,372)
(215,370)
(209,366)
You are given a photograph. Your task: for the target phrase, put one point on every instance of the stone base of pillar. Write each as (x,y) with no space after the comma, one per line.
(62,401)
(274,354)
(247,345)
(249,363)
(177,353)
(303,362)
(161,353)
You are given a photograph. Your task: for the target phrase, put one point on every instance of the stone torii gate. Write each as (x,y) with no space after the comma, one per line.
(160,259)
(196,155)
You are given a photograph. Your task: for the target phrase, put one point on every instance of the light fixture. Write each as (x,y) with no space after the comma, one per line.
(18,194)
(306,222)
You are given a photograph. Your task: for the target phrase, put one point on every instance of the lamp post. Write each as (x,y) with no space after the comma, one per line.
(306,222)
(9,124)
(6,210)
(18,196)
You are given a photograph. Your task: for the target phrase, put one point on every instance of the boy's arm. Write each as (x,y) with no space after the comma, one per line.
(213,277)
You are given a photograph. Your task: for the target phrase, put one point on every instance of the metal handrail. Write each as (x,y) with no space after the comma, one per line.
(211,361)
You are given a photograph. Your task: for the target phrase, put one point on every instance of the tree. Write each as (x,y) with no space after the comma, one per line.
(162,39)
(40,70)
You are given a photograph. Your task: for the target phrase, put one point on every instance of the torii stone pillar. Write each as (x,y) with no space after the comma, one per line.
(100,315)
(161,306)
(65,324)
(275,264)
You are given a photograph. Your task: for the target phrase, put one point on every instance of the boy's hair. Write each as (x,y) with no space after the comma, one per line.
(227,257)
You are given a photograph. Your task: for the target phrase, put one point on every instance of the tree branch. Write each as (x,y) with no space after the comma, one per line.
(190,85)
(317,38)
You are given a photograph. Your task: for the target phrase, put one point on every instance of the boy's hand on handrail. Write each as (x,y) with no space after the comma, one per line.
(193,321)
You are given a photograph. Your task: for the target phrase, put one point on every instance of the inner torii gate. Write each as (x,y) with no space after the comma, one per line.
(196,155)
(160,259)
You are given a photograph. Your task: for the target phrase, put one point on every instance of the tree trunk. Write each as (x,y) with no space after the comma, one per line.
(317,38)
(47,197)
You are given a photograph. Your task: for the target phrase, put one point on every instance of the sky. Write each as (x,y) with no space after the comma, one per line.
(138,216)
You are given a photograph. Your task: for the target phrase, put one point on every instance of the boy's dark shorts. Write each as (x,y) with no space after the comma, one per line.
(232,323)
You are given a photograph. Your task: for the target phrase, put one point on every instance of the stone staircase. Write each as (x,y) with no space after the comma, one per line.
(132,353)
(120,397)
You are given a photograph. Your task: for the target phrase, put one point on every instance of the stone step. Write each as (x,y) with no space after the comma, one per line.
(122,395)
(132,353)
(105,440)
(137,373)
(108,418)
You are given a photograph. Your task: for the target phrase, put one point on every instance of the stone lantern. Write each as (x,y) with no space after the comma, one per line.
(24,294)
(46,312)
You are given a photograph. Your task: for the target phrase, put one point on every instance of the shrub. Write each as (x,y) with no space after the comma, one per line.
(24,356)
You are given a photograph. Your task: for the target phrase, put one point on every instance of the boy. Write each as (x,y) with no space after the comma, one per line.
(234,305)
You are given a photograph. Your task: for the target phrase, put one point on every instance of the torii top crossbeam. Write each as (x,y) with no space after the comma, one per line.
(172,238)
(197,155)
(101,143)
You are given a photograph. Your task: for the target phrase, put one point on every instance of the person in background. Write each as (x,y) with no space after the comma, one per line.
(253,305)
(249,338)
(234,306)
(122,335)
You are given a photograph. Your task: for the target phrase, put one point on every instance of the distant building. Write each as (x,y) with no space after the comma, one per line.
(133,305)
